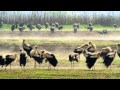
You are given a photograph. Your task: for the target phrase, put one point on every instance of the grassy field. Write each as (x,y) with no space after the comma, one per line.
(61,49)
(67,27)
(59,74)
(59,42)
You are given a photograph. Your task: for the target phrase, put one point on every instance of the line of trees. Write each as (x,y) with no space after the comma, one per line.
(62,17)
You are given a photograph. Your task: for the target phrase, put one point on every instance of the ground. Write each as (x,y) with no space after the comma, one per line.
(61,43)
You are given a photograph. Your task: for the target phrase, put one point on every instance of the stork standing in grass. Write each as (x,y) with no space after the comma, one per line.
(10,59)
(49,57)
(108,56)
(91,58)
(73,57)
(105,51)
(36,56)
(23,58)
(27,47)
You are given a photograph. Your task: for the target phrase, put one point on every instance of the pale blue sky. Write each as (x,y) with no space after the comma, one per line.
(80,12)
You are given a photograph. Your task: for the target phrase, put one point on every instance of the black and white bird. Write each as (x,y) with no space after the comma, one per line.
(27,47)
(73,57)
(49,57)
(23,58)
(38,57)
(109,58)
(91,58)
(9,59)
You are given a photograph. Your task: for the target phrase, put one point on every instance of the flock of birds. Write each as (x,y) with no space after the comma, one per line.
(91,54)
(38,26)
(88,50)
(76,26)
(27,51)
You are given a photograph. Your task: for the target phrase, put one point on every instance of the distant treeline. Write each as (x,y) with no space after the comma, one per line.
(62,17)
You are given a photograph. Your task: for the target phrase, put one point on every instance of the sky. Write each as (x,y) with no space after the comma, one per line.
(81,12)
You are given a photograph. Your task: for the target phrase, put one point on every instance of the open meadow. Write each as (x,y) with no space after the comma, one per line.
(61,44)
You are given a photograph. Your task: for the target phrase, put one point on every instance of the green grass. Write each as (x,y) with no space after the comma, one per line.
(60,42)
(59,74)
(67,27)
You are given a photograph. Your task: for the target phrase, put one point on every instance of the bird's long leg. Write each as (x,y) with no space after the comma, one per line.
(5,67)
(1,67)
(110,67)
(94,67)
(10,66)
(39,65)
(79,56)
(21,67)
(50,65)
(35,65)
(71,64)
(24,67)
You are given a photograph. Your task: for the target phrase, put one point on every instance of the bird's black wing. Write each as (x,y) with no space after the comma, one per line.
(38,58)
(90,61)
(9,59)
(52,60)
(28,50)
(108,60)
